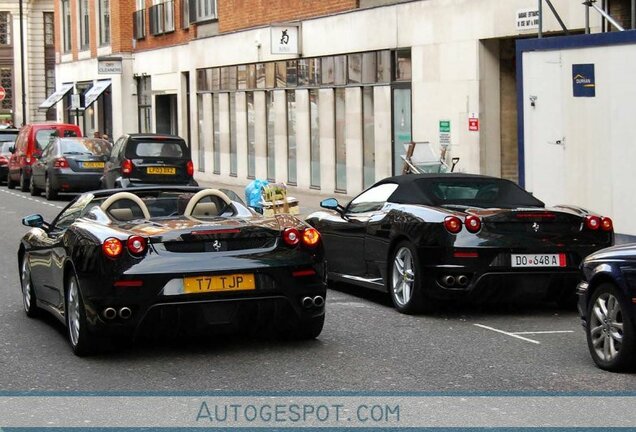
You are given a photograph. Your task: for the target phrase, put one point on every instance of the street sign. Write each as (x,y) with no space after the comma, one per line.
(444,133)
(3,93)
(473,123)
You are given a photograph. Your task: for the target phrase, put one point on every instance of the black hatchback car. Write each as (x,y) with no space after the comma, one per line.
(148,159)
(607,305)
(69,165)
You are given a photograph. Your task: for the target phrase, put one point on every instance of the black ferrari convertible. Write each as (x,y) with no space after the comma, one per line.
(171,257)
(431,237)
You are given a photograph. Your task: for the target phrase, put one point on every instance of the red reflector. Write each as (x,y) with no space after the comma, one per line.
(219,231)
(535,215)
(301,273)
(128,283)
(458,254)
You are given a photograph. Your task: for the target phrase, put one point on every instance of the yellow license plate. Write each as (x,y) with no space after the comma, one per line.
(92,164)
(161,170)
(231,282)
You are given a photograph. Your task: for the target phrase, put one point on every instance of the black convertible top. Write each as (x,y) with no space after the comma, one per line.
(458,188)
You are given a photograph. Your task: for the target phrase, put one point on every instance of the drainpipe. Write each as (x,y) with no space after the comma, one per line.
(22,78)
(540,19)
(633,14)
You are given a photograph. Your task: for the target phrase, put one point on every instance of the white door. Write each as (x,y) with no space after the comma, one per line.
(544,141)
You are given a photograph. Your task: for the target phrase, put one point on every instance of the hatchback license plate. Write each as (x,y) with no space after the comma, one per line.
(231,282)
(92,164)
(161,170)
(538,260)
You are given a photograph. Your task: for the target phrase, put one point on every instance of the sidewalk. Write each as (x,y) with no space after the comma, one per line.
(309,200)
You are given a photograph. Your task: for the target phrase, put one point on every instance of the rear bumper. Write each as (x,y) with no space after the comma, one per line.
(75,181)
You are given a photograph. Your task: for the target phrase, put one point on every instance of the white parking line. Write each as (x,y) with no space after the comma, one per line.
(508,334)
(543,332)
(30,199)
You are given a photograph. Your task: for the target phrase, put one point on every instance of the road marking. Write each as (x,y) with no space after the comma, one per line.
(508,334)
(543,332)
(31,199)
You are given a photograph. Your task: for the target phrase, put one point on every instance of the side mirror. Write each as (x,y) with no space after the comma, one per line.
(12,149)
(332,204)
(34,221)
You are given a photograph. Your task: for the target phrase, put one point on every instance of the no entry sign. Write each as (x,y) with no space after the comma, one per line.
(3,93)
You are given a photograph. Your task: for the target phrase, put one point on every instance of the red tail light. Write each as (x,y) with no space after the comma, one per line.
(60,163)
(127,167)
(291,236)
(190,168)
(607,224)
(453,224)
(3,160)
(473,223)
(112,247)
(136,245)
(311,237)
(592,222)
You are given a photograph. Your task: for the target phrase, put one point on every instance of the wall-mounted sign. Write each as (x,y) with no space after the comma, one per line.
(444,133)
(285,40)
(583,83)
(527,19)
(109,66)
(473,122)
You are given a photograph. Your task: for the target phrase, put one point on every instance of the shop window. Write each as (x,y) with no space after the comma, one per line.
(214,78)
(384,66)
(341,142)
(340,69)
(216,142)
(202,82)
(232,108)
(281,74)
(403,65)
(314,139)
(368,137)
(292,73)
(327,70)
(369,69)
(251,135)
(84,24)
(66,26)
(271,147)
(260,75)
(241,73)
(251,76)
(270,75)
(291,136)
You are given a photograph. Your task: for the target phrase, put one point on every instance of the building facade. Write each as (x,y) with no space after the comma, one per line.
(39,60)
(321,95)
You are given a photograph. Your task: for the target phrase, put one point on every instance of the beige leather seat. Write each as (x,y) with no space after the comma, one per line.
(205,209)
(122,214)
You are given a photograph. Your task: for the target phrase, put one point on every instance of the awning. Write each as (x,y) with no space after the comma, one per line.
(94,92)
(56,97)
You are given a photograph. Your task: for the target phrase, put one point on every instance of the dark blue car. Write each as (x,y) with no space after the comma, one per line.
(607,304)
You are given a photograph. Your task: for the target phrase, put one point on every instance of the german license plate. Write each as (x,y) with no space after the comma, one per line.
(538,260)
(223,283)
(92,164)
(161,170)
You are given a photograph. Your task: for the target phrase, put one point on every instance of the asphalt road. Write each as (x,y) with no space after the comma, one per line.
(365,345)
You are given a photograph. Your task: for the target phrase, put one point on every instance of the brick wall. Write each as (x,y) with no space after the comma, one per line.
(121,25)
(57,17)
(241,14)
(177,37)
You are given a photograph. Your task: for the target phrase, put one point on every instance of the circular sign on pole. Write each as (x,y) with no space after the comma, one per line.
(3,93)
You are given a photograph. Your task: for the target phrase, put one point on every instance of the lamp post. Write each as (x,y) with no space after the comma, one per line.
(24,110)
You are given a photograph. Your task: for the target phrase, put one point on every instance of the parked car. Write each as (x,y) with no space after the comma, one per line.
(607,305)
(5,154)
(69,165)
(32,139)
(430,237)
(149,159)
(170,257)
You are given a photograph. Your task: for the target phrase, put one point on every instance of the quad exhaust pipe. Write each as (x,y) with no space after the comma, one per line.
(111,313)
(309,302)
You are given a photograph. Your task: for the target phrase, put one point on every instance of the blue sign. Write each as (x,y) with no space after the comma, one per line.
(583,81)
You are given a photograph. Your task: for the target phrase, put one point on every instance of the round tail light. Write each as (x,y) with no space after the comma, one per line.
(112,247)
(136,245)
(473,223)
(311,237)
(592,222)
(291,236)
(607,224)
(452,224)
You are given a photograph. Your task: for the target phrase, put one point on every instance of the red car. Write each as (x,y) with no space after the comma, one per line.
(31,141)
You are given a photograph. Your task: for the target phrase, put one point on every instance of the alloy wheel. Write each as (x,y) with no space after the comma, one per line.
(606,327)
(403,277)
(25,280)
(73,311)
